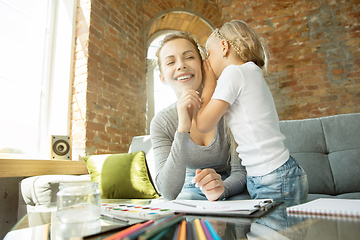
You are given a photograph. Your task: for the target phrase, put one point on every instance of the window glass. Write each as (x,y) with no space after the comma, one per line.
(163,95)
(31,40)
(22,41)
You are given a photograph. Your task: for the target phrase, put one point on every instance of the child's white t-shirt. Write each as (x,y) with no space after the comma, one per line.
(252,118)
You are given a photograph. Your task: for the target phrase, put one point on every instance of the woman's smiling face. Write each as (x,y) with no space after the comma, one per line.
(180,66)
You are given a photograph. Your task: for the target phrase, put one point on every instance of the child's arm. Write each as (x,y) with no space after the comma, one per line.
(209,83)
(211,110)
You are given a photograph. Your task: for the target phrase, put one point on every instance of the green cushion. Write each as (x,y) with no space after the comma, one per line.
(121,176)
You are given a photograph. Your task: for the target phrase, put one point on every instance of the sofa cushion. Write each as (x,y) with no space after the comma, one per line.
(342,136)
(143,143)
(318,170)
(122,175)
(303,136)
(40,191)
(306,142)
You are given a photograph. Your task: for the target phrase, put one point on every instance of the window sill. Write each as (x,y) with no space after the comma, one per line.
(27,168)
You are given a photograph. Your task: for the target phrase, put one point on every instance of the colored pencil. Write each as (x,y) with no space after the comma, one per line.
(144,225)
(136,234)
(206,230)
(212,230)
(176,233)
(195,235)
(164,221)
(160,234)
(199,230)
(159,227)
(182,231)
(130,230)
(114,236)
(189,231)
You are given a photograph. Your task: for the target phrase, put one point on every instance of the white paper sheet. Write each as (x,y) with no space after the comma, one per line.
(204,206)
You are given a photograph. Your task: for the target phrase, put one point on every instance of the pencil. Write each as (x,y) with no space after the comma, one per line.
(161,234)
(144,225)
(135,235)
(130,230)
(195,236)
(206,230)
(182,231)
(212,230)
(114,236)
(199,230)
(189,231)
(159,227)
(164,221)
(176,233)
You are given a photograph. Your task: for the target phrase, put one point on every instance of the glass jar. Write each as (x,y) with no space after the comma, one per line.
(78,202)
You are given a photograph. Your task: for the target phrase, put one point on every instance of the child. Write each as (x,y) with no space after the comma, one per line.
(237,57)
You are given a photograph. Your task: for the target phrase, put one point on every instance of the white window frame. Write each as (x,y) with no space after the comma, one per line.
(58,68)
(151,77)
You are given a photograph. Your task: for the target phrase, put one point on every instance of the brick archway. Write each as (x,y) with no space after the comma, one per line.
(197,17)
(182,21)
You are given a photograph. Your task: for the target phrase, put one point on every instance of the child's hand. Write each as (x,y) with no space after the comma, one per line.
(209,78)
(210,183)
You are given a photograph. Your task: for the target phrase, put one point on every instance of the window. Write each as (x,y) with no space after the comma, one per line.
(36,49)
(162,95)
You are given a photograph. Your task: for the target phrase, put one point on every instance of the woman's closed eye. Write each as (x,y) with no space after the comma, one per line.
(189,56)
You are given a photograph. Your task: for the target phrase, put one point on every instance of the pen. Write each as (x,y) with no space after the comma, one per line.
(114,217)
(188,205)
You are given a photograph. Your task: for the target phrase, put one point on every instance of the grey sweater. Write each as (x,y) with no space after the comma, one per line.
(176,155)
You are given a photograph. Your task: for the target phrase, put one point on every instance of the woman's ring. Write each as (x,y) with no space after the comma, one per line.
(218,183)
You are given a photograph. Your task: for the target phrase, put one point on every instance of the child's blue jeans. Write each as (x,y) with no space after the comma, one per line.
(288,182)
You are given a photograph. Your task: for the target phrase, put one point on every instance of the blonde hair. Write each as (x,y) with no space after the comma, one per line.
(181,35)
(243,39)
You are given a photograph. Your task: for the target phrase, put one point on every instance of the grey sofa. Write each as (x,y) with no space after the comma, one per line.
(328,148)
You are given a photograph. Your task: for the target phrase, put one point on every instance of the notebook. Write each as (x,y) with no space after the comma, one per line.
(327,207)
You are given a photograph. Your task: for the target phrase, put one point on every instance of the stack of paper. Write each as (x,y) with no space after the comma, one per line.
(199,207)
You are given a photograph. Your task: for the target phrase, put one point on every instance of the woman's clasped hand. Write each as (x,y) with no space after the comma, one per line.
(209,182)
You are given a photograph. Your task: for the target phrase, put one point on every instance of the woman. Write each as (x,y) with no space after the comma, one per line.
(190,164)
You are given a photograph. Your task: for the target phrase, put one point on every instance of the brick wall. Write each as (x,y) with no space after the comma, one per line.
(314,67)
(109,91)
